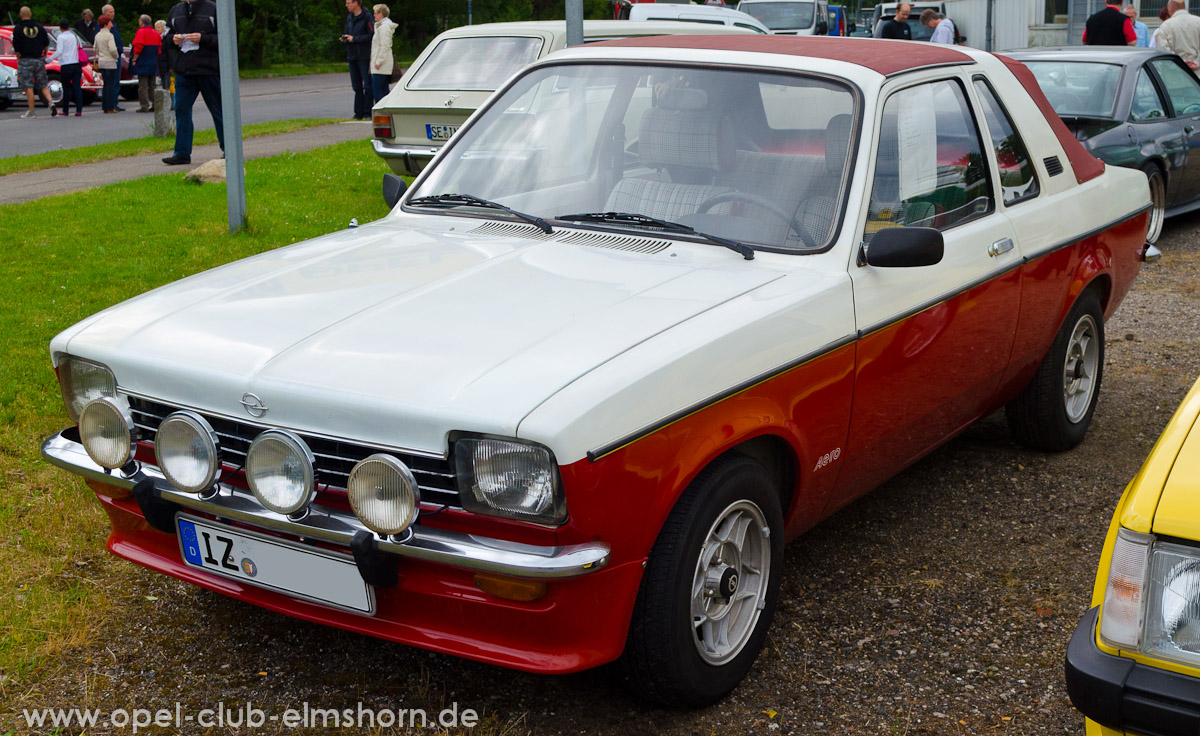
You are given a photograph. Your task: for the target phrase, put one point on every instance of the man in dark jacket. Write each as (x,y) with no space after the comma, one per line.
(1109,27)
(87,27)
(191,44)
(357,37)
(30,42)
(897,28)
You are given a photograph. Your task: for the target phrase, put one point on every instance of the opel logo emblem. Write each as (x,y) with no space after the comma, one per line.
(253,405)
(733,583)
(451,100)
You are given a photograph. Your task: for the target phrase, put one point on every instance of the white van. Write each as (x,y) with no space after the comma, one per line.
(790,17)
(695,14)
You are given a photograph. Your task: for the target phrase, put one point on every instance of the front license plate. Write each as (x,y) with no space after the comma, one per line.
(257,559)
(440,132)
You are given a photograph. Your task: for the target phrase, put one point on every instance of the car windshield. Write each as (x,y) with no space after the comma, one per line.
(751,156)
(1078,88)
(781,15)
(481,63)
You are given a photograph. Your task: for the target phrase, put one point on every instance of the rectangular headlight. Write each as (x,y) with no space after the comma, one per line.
(1121,617)
(509,478)
(1172,628)
(82,381)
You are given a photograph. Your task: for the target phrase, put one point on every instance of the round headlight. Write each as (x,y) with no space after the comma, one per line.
(279,469)
(187,451)
(107,431)
(383,494)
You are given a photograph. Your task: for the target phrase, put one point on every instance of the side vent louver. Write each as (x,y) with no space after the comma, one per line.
(512,230)
(1053,165)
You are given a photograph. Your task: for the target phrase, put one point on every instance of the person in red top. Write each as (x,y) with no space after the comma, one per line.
(146,44)
(1110,27)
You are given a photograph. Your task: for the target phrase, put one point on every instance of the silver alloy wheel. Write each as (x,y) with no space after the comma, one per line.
(729,589)
(1080,368)
(1158,206)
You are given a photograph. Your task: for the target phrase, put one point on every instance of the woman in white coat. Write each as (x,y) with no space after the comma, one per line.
(381,52)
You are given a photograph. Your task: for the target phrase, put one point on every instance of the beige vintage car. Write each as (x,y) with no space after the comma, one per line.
(461,68)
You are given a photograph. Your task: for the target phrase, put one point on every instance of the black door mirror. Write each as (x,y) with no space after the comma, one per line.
(904,247)
(393,189)
(822,29)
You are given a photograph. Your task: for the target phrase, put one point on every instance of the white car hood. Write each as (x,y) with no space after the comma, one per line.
(398,335)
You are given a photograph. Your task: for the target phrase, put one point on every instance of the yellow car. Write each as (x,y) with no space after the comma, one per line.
(1133,665)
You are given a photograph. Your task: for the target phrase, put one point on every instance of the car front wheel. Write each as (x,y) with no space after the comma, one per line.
(709,590)
(1053,412)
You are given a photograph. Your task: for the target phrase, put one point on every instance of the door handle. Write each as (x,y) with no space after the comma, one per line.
(1188,129)
(1000,247)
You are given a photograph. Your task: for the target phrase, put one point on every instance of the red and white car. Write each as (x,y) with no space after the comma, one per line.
(91,83)
(659,306)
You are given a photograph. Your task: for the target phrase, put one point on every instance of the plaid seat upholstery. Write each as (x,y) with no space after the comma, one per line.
(689,145)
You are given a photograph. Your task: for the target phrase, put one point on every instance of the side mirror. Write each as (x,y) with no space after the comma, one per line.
(393,189)
(852,27)
(822,29)
(904,247)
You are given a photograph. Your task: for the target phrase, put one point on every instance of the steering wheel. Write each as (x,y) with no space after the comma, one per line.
(793,224)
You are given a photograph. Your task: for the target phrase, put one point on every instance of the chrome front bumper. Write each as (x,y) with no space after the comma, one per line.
(480,554)
(413,158)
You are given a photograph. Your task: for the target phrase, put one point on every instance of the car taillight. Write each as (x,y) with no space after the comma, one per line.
(383,126)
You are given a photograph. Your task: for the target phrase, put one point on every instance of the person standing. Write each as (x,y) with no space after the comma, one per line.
(164,67)
(381,52)
(108,60)
(30,42)
(1139,28)
(943,28)
(66,53)
(1162,18)
(1180,34)
(191,41)
(897,28)
(144,60)
(111,12)
(1109,27)
(87,26)
(357,37)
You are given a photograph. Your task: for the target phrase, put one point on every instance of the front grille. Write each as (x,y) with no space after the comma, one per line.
(334,458)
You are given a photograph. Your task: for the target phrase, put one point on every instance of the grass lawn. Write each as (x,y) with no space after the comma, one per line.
(57,582)
(140,146)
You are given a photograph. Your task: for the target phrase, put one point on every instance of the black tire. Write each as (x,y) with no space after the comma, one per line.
(1043,416)
(129,92)
(662,662)
(88,97)
(1158,201)
(5,102)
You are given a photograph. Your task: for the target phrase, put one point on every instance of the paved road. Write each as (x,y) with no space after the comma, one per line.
(318,96)
(35,184)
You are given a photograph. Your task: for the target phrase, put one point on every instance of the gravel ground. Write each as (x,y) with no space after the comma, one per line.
(941,603)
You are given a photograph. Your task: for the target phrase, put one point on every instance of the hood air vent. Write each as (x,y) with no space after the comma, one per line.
(512,230)
(574,237)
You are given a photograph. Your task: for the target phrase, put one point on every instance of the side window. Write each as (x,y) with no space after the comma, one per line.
(929,166)
(1018,181)
(1147,103)
(1182,88)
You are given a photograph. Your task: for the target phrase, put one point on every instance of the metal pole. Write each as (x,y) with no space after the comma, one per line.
(574,22)
(469,21)
(231,111)
(991,12)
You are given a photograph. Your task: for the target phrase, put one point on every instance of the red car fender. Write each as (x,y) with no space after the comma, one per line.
(625,496)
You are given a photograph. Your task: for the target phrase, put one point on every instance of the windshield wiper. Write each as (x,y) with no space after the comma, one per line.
(633,218)
(471,199)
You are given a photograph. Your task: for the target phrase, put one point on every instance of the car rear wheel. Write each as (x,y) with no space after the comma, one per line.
(1053,412)
(709,590)
(1158,202)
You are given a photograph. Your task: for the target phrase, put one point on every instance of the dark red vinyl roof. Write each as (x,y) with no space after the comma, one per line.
(885,57)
